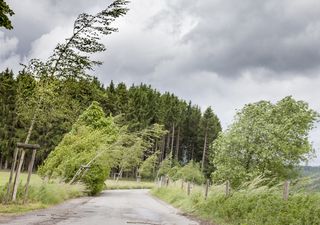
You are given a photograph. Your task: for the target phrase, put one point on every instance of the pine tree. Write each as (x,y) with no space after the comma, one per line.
(209,129)
(8,115)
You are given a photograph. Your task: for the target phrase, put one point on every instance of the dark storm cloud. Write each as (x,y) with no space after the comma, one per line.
(34,18)
(231,36)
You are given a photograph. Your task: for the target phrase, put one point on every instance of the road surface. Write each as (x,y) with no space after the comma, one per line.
(116,207)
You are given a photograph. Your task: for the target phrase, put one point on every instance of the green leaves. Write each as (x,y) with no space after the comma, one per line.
(265,139)
(5,11)
(72,58)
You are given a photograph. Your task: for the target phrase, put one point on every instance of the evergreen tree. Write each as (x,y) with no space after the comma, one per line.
(8,115)
(210,127)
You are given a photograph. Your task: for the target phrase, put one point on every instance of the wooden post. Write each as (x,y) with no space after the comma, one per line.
(286,190)
(30,168)
(24,146)
(167,181)
(182,183)
(161,181)
(188,188)
(207,189)
(227,188)
(17,176)
(13,167)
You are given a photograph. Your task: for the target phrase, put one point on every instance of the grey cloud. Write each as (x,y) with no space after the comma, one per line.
(34,18)
(231,37)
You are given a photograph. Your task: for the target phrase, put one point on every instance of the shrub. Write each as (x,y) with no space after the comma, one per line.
(95,177)
(191,172)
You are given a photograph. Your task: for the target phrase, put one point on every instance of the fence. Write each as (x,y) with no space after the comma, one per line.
(188,187)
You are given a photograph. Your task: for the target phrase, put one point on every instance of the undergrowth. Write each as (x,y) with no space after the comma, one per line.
(40,196)
(247,206)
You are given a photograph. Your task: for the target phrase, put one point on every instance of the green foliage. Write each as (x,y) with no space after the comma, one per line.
(95,178)
(5,11)
(89,135)
(8,114)
(255,206)
(265,139)
(97,143)
(191,172)
(41,193)
(148,167)
(128,184)
(165,167)
(209,129)
(71,59)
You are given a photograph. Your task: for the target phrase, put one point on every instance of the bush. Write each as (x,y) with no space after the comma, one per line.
(191,172)
(95,177)
(148,166)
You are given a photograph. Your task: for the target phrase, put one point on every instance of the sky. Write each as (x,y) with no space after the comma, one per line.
(219,53)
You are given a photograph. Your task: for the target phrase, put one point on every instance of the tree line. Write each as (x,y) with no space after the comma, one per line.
(189,131)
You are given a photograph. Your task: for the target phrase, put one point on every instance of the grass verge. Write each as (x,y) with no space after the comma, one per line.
(41,194)
(128,184)
(258,206)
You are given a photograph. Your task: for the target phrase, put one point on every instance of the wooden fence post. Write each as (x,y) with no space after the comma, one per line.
(286,190)
(17,176)
(30,168)
(207,189)
(182,183)
(227,188)
(13,167)
(167,181)
(188,188)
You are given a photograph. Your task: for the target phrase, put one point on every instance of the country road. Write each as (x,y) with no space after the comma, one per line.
(116,207)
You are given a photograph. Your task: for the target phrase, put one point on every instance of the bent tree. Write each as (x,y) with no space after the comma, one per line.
(266,139)
(69,60)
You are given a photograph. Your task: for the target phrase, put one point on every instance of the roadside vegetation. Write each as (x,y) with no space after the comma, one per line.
(128,184)
(252,204)
(41,194)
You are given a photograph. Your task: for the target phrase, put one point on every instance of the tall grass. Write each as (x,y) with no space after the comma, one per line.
(250,205)
(41,194)
(128,184)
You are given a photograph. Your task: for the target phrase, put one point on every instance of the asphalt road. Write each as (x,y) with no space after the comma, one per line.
(117,207)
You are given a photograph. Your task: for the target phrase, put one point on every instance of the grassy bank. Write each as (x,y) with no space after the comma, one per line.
(251,206)
(41,194)
(128,184)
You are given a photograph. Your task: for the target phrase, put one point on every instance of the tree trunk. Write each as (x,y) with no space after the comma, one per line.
(13,167)
(119,174)
(163,147)
(172,138)
(6,164)
(167,145)
(204,150)
(1,159)
(177,145)
(192,152)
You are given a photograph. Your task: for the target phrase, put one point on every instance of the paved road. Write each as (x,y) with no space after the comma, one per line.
(118,207)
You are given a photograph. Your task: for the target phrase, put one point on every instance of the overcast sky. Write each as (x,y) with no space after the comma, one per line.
(222,53)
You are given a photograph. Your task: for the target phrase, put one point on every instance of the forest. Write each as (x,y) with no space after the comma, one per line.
(189,130)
